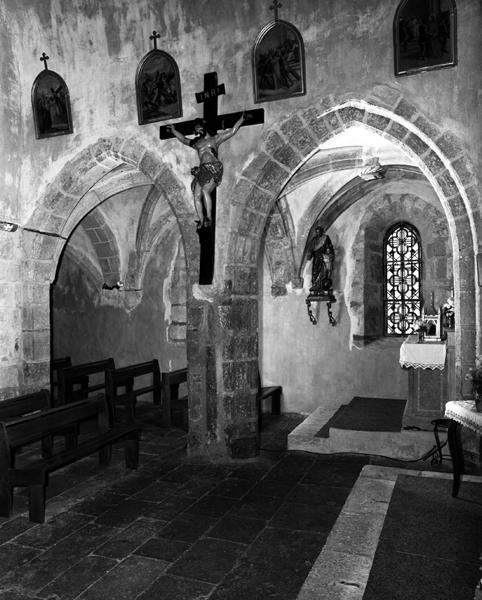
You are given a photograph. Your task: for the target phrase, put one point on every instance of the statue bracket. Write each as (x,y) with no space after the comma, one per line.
(327,297)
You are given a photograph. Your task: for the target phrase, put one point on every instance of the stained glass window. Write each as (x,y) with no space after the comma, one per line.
(403,301)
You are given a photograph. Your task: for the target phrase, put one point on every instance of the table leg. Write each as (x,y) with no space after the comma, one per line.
(456,453)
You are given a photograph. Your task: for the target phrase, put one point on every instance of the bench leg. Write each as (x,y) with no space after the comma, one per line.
(6,497)
(457,455)
(36,503)
(72,437)
(47,446)
(105,455)
(131,448)
(166,413)
(156,396)
(276,403)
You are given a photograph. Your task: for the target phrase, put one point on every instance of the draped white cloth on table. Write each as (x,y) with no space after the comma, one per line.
(428,355)
(465,413)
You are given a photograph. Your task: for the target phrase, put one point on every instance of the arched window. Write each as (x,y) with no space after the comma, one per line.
(403,277)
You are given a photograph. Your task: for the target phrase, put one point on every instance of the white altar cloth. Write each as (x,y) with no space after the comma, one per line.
(465,413)
(428,355)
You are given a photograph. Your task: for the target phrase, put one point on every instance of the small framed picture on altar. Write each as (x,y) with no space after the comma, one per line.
(432,327)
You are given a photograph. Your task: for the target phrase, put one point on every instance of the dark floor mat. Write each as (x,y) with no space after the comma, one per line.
(367,414)
(430,543)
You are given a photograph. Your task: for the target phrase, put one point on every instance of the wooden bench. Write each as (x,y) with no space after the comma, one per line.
(170,395)
(30,429)
(125,377)
(272,393)
(13,408)
(75,381)
(170,381)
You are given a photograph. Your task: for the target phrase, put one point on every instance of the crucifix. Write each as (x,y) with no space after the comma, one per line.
(209,173)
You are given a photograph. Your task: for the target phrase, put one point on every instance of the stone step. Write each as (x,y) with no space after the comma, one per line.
(405,445)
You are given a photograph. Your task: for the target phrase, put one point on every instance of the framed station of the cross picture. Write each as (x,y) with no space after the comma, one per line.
(425,36)
(278,63)
(158,88)
(51,105)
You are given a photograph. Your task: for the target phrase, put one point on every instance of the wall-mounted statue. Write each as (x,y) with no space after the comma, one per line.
(322,254)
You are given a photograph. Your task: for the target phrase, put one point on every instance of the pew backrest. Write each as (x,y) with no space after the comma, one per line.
(75,381)
(23,405)
(128,378)
(32,428)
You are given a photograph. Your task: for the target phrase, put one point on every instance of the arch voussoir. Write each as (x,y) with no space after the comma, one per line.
(151,165)
(282,151)
(349,115)
(294,129)
(319,129)
(271,176)
(131,151)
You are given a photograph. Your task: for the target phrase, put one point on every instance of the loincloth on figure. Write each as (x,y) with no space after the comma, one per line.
(206,172)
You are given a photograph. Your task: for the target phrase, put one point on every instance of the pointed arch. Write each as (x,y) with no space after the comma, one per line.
(439,155)
(65,202)
(71,196)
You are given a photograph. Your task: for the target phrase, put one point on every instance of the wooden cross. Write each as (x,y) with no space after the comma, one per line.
(44,58)
(154,37)
(209,96)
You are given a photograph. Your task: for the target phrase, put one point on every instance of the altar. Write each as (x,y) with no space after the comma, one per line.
(431,378)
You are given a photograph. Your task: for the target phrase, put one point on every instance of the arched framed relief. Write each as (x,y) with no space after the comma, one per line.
(51,105)
(425,36)
(158,88)
(278,63)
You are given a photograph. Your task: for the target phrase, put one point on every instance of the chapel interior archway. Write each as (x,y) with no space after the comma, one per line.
(430,168)
(114,224)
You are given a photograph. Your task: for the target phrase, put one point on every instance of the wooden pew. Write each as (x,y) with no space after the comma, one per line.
(13,408)
(75,381)
(32,428)
(170,381)
(127,377)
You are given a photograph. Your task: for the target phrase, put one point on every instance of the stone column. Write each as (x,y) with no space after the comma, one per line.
(223,375)
(40,254)
(10,314)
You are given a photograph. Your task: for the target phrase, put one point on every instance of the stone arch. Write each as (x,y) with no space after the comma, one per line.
(439,155)
(65,202)
(71,196)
